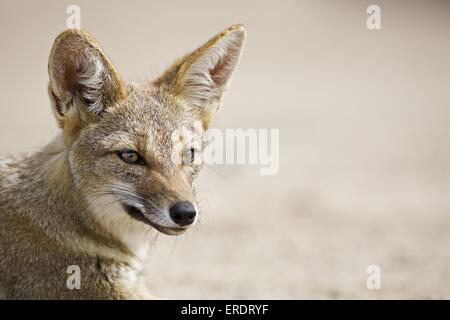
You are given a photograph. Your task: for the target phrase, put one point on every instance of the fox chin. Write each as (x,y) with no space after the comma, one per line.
(89,200)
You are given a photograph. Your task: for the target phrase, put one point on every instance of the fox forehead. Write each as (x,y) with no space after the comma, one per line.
(145,120)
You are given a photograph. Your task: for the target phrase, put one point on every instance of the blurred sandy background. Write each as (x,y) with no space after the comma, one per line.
(364,126)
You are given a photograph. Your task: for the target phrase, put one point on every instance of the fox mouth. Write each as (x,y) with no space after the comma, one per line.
(137,214)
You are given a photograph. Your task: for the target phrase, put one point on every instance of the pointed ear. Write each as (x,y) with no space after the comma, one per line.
(83,82)
(202,77)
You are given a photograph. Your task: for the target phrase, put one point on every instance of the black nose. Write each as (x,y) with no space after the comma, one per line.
(183,213)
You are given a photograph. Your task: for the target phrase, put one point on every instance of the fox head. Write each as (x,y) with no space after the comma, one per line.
(120,137)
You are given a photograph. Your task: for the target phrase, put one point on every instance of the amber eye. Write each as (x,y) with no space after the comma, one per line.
(131,157)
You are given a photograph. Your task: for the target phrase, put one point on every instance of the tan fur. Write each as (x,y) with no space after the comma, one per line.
(64,205)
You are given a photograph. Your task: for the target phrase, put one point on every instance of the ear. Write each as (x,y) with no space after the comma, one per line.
(202,77)
(83,82)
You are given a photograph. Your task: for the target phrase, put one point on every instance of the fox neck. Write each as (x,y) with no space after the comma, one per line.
(74,222)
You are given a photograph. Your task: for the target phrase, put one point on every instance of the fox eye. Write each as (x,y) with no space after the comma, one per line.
(131,157)
(189,156)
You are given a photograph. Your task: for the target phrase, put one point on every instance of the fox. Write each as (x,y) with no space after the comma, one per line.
(88,200)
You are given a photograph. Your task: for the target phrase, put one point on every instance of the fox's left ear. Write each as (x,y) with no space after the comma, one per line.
(201,77)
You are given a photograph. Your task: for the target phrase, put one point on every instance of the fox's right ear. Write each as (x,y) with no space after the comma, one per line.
(83,82)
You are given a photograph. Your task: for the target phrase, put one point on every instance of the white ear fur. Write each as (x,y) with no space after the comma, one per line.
(91,78)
